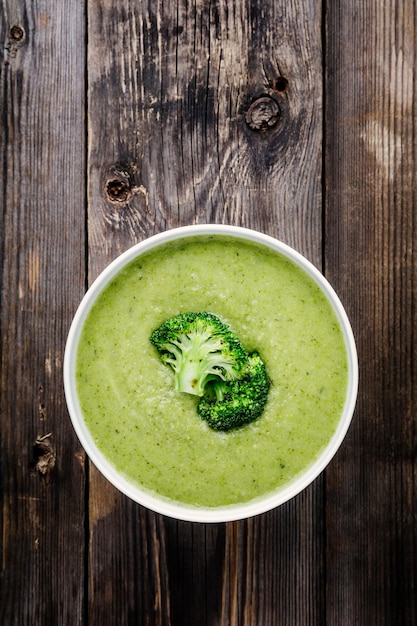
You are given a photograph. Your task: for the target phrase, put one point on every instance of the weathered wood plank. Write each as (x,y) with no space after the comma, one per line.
(371,259)
(274,566)
(128,571)
(205,113)
(170,87)
(42,197)
(195,563)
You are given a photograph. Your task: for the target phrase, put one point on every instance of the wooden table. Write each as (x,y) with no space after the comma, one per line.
(122,119)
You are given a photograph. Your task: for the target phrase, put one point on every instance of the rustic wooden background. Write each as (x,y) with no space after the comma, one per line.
(122,119)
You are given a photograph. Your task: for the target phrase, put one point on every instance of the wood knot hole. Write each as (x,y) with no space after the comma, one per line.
(17,33)
(280,84)
(45,457)
(118,190)
(263,114)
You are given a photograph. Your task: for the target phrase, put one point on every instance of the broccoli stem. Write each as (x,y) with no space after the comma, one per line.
(187,378)
(202,356)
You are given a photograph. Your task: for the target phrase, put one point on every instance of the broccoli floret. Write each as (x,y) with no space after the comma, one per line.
(230,404)
(200,348)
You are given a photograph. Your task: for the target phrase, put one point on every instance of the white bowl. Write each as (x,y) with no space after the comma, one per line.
(162,505)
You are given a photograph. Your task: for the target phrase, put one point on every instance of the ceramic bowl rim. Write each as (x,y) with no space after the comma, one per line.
(159,504)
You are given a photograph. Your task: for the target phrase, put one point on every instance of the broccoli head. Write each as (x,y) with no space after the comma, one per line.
(230,404)
(200,348)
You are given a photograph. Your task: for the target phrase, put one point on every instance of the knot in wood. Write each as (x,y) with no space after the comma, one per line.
(17,33)
(45,457)
(118,190)
(263,114)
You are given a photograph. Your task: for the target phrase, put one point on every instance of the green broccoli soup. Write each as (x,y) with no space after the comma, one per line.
(152,433)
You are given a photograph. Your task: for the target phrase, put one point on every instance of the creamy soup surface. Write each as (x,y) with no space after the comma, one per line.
(153,434)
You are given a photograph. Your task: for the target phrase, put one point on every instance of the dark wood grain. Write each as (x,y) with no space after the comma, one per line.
(205,113)
(371,259)
(170,86)
(122,119)
(42,199)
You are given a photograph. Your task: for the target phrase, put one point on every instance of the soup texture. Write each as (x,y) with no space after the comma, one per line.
(153,434)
